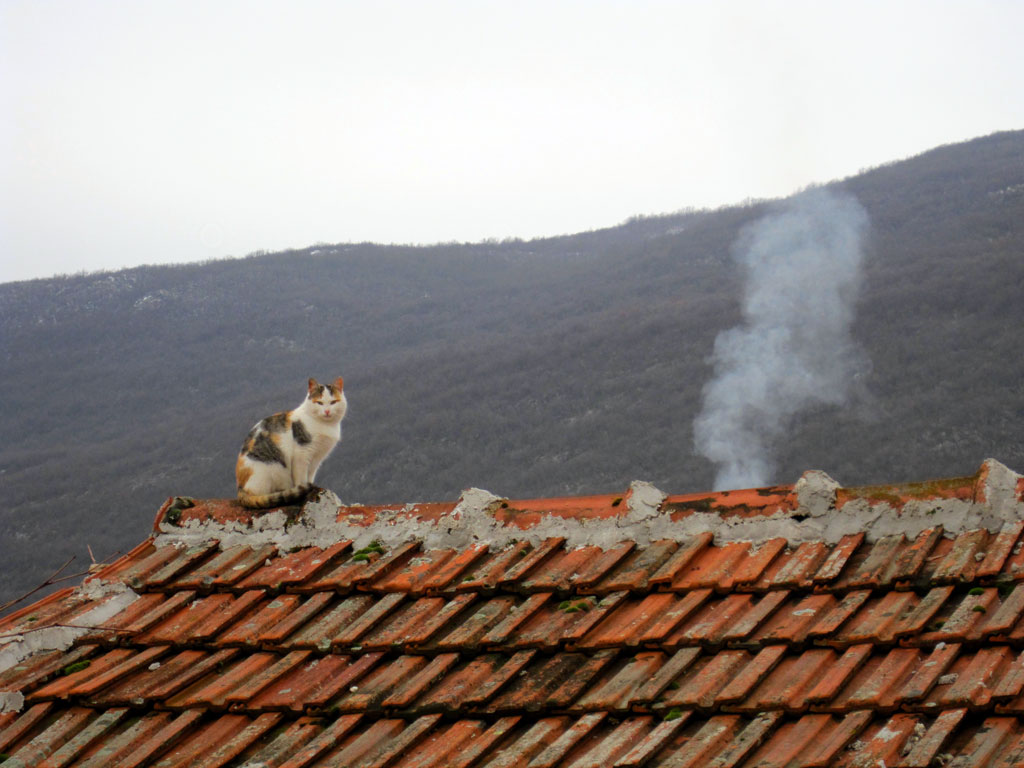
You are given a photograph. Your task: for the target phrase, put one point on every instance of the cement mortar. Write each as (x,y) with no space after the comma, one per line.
(473,522)
(16,648)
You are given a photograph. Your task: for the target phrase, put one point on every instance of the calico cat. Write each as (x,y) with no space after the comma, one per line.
(281,454)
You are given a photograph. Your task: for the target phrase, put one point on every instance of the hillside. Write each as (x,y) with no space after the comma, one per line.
(567,365)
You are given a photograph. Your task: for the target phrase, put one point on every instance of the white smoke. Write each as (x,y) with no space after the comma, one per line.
(802,274)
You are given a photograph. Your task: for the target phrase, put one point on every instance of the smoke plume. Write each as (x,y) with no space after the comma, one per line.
(802,273)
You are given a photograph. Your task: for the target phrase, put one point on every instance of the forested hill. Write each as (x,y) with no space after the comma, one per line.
(568,365)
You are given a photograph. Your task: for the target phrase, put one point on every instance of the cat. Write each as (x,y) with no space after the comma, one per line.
(282,453)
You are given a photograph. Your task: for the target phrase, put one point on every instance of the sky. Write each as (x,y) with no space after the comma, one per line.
(175,130)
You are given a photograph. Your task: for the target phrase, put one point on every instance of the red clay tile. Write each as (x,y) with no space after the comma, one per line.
(443,745)
(411,735)
(184,560)
(557,571)
(999,550)
(454,570)
(792,741)
(908,564)
(973,686)
(500,633)
(711,566)
(635,571)
(61,687)
(825,750)
(484,744)
(418,683)
(382,606)
(417,622)
(617,688)
(412,576)
(751,568)
(667,621)
(267,614)
(334,734)
(551,683)
(298,617)
(141,615)
(19,728)
(351,572)
(995,740)
(878,683)
(925,751)
(876,620)
(492,566)
(470,630)
(379,683)
(314,682)
(553,754)
(257,682)
(751,675)
(876,559)
(702,682)
(225,568)
(788,684)
(284,744)
(669,673)
(294,568)
(749,622)
(796,568)
(213,690)
(70,751)
(706,743)
(792,622)
(114,747)
(500,678)
(54,736)
(202,619)
(839,674)
(530,561)
(1011,682)
(327,624)
(931,670)
(1007,615)
(218,742)
(156,742)
(653,742)
(960,563)
(960,621)
(881,743)
(40,668)
(680,560)
(163,679)
(452,692)
(537,737)
(837,559)
(713,619)
(602,607)
(609,748)
(914,621)
(571,687)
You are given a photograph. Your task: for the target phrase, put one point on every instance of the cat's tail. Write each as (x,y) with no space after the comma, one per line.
(275,499)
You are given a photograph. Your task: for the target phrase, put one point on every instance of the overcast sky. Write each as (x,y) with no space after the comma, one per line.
(144,132)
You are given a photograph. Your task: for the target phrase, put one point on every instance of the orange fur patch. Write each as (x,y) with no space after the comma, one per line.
(242,472)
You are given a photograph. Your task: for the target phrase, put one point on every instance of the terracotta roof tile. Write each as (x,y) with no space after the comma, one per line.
(600,631)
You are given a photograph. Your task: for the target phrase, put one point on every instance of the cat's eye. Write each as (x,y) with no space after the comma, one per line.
(333,402)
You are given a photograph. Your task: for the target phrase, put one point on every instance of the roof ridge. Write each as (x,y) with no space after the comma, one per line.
(815,508)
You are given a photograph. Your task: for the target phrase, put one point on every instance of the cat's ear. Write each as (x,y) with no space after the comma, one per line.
(314,386)
(339,383)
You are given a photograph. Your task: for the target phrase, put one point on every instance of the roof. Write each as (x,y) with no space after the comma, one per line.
(803,625)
